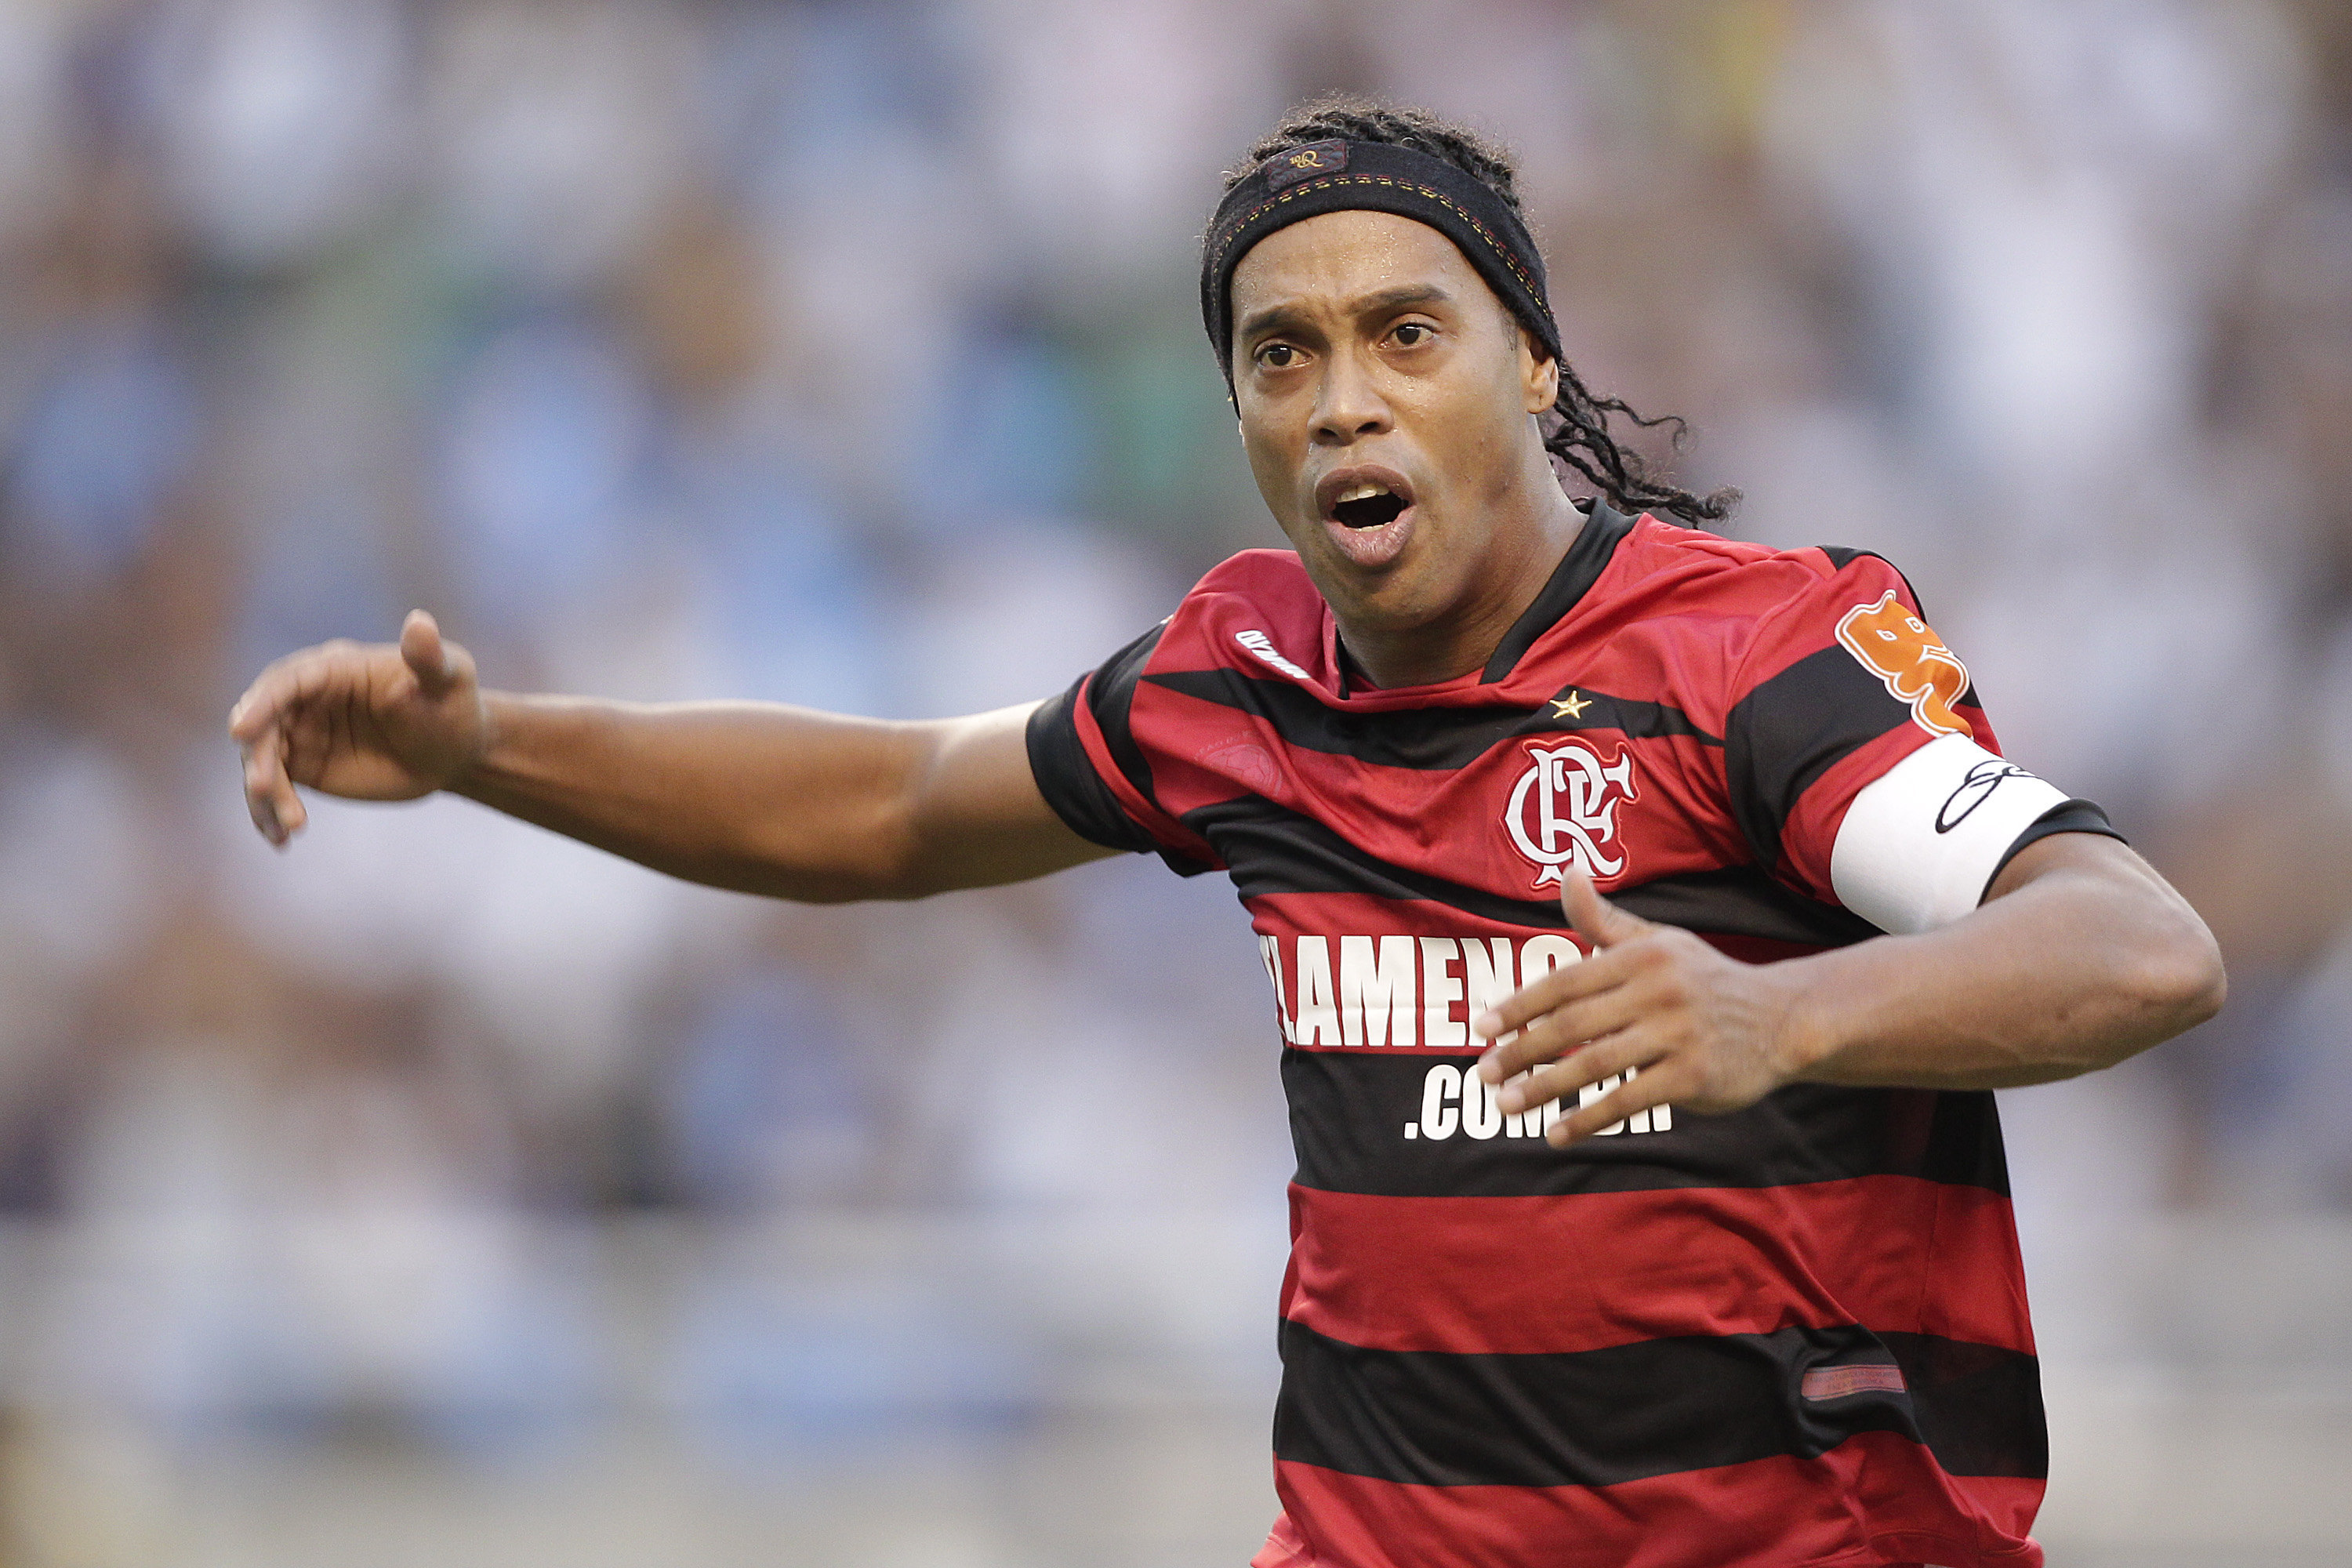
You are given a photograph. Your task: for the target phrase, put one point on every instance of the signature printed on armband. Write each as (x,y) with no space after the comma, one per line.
(1974,790)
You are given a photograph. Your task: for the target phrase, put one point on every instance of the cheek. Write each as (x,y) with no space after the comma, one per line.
(1493,432)
(1468,441)
(1276,475)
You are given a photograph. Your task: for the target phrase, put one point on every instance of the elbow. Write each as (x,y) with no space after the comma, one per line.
(2180,981)
(2211,987)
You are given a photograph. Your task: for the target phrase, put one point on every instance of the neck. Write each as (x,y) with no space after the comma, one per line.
(1521,556)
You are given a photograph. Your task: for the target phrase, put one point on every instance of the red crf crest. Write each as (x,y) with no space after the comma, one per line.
(1563,811)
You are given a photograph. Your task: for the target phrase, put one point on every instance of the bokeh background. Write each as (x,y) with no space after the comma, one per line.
(441,1192)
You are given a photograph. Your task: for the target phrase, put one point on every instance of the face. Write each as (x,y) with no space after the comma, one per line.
(1386,403)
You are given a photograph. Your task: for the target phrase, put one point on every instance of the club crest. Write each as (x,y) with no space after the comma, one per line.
(1563,811)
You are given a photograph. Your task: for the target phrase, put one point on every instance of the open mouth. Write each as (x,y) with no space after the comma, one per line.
(1368,511)
(1368,506)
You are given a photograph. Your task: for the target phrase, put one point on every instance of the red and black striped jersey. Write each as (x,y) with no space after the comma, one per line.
(1796,1335)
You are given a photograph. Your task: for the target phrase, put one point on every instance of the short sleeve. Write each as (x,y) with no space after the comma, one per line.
(1859,762)
(1090,767)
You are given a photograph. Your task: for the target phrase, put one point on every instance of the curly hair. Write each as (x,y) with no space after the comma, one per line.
(1576,431)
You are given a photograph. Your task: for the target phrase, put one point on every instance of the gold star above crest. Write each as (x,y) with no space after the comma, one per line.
(1572,706)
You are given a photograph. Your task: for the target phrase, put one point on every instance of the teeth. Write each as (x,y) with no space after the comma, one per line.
(1363,492)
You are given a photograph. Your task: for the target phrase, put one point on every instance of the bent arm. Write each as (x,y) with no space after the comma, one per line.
(2080,956)
(765,798)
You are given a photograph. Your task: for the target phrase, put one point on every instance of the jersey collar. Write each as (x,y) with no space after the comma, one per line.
(1588,556)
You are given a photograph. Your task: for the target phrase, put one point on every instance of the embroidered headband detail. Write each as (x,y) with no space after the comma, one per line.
(1339,176)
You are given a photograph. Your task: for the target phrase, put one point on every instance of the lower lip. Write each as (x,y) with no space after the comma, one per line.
(1371,547)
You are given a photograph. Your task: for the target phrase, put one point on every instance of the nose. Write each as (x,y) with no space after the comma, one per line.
(1347,407)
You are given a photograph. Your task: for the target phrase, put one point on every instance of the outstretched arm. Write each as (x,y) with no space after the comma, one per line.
(2080,956)
(759,797)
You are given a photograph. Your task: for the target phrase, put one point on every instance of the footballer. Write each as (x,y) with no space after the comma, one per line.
(1649,916)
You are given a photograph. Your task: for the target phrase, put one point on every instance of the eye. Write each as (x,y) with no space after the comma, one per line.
(1277,356)
(1410,334)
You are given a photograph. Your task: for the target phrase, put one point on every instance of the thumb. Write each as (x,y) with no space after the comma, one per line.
(422,648)
(1596,919)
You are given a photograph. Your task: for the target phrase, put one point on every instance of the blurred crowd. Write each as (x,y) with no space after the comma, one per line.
(847,354)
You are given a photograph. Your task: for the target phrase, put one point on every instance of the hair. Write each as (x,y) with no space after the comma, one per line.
(1576,431)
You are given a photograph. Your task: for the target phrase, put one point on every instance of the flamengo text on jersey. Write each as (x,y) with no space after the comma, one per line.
(1419,993)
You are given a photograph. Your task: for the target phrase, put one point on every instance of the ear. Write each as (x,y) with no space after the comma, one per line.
(1538,374)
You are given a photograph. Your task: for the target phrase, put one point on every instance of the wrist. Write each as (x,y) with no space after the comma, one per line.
(495,714)
(1807,1035)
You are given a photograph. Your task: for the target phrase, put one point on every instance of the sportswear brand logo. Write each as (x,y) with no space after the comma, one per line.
(1905,653)
(1564,810)
(1258,643)
(1974,790)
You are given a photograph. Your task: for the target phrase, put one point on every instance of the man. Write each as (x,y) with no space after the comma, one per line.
(1681,1239)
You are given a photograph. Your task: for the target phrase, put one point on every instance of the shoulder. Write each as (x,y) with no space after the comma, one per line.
(1273,573)
(1714,619)
(1253,616)
(1752,604)
(1737,578)
(1255,608)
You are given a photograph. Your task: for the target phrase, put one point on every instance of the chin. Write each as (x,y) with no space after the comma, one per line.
(1395,598)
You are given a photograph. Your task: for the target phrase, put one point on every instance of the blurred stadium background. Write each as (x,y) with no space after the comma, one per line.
(444,1193)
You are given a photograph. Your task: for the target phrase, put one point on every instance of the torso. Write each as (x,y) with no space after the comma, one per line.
(1796,1335)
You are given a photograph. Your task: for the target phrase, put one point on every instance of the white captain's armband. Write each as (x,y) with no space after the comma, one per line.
(1920,842)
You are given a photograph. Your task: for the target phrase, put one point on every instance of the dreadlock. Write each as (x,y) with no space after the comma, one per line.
(1576,431)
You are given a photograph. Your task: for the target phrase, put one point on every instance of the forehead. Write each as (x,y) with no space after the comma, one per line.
(1323,262)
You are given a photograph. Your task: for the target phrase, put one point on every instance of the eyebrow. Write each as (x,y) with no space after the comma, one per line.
(1402,297)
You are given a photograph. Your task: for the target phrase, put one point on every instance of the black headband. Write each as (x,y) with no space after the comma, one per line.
(1338,177)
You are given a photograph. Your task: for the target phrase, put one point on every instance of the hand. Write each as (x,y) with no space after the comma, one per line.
(1706,1032)
(364,721)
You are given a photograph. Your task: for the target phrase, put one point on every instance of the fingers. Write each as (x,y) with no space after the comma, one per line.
(1563,985)
(1601,924)
(1641,1091)
(1637,1056)
(440,665)
(269,795)
(260,721)
(1565,1008)
(1596,919)
(256,710)
(1629,1048)
(422,648)
(1559,1031)
(281,684)
(258,724)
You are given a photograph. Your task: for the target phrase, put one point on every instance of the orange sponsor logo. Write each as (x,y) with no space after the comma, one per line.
(1902,650)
